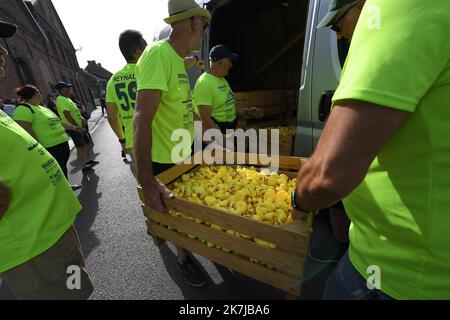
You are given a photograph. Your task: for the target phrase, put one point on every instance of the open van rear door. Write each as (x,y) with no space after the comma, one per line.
(321,69)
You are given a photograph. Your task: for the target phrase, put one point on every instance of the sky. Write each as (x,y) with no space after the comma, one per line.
(94,26)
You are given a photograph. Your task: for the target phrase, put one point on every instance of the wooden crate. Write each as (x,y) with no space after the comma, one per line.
(292,240)
(279,107)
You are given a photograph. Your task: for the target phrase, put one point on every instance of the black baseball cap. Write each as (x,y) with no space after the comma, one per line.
(7,30)
(61,85)
(220,52)
(336,10)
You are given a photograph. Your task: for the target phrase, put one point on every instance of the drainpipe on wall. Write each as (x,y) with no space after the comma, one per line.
(16,64)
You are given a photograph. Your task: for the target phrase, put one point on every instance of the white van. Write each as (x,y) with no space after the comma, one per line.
(287,66)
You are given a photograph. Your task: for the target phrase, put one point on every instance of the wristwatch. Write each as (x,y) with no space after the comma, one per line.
(295,205)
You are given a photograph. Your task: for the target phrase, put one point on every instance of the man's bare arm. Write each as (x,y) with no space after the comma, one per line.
(147,104)
(354,134)
(69,118)
(113,119)
(208,122)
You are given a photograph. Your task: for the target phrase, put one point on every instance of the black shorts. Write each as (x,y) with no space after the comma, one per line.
(160,167)
(80,140)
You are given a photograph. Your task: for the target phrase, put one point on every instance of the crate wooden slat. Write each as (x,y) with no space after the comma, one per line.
(278,259)
(276,279)
(292,240)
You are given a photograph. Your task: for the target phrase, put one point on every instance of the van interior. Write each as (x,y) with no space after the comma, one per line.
(269,37)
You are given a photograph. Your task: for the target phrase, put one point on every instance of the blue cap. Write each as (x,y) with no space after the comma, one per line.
(220,52)
(61,85)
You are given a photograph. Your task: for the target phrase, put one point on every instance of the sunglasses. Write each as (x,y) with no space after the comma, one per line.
(335,26)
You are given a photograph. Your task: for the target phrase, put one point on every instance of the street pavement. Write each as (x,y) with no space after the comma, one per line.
(123,262)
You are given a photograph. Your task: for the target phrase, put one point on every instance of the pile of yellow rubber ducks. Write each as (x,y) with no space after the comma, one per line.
(245,191)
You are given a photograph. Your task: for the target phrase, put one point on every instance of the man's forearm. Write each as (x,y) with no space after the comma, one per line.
(355,133)
(116,126)
(68,126)
(313,191)
(210,124)
(70,119)
(143,149)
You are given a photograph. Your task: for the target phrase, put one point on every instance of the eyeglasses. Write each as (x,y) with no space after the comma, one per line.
(335,26)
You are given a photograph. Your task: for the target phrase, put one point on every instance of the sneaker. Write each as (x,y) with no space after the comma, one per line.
(92,163)
(75,187)
(88,170)
(124,155)
(192,273)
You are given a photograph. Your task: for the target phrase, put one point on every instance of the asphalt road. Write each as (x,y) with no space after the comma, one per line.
(124,263)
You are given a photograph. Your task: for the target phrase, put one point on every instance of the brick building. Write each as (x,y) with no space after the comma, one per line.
(42,53)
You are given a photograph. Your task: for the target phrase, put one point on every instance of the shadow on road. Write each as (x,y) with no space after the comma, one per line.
(225,290)
(89,198)
(76,165)
(5,294)
(132,167)
(323,244)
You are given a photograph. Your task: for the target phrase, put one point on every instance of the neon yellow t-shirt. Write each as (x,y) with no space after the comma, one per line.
(45,124)
(121,90)
(161,68)
(400,219)
(217,94)
(43,205)
(66,104)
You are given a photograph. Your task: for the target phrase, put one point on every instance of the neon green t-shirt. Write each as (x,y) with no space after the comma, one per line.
(121,90)
(400,219)
(161,68)
(66,104)
(43,205)
(45,124)
(217,94)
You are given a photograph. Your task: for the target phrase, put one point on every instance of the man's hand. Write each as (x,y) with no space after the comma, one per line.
(154,193)
(255,112)
(5,198)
